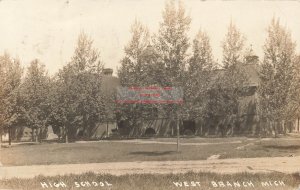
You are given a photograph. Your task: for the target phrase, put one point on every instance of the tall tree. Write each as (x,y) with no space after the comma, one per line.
(201,66)
(172,43)
(228,83)
(10,80)
(131,71)
(34,91)
(295,98)
(79,103)
(277,75)
(202,58)
(233,46)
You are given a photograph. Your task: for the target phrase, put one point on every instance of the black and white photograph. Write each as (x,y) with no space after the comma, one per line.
(149,94)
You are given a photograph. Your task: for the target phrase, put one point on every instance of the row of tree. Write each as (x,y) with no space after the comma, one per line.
(210,88)
(73,98)
(279,90)
(70,99)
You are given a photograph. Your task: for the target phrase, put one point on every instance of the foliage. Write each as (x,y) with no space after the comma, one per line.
(277,75)
(232,45)
(34,91)
(199,76)
(228,82)
(10,80)
(133,71)
(78,102)
(172,43)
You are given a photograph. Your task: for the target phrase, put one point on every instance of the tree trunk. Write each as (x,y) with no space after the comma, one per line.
(0,141)
(40,134)
(177,123)
(9,136)
(65,130)
(66,133)
(201,129)
(1,132)
(274,128)
(263,126)
(36,135)
(32,134)
(106,128)
(284,127)
(268,127)
(85,129)
(298,125)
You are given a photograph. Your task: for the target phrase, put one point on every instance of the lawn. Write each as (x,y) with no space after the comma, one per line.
(190,180)
(147,150)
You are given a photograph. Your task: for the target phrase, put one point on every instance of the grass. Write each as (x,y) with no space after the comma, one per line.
(280,147)
(158,181)
(96,152)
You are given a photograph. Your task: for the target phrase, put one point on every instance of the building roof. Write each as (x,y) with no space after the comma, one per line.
(251,70)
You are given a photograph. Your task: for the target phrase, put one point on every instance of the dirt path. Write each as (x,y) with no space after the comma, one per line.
(138,141)
(254,165)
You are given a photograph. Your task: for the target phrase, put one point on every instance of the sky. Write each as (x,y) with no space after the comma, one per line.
(48,29)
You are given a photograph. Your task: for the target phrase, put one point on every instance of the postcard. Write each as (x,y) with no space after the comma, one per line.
(140,94)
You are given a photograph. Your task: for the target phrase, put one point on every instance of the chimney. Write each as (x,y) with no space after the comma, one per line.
(108,71)
(252,59)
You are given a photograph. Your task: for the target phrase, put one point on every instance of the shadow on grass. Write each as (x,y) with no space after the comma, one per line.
(153,153)
(291,147)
